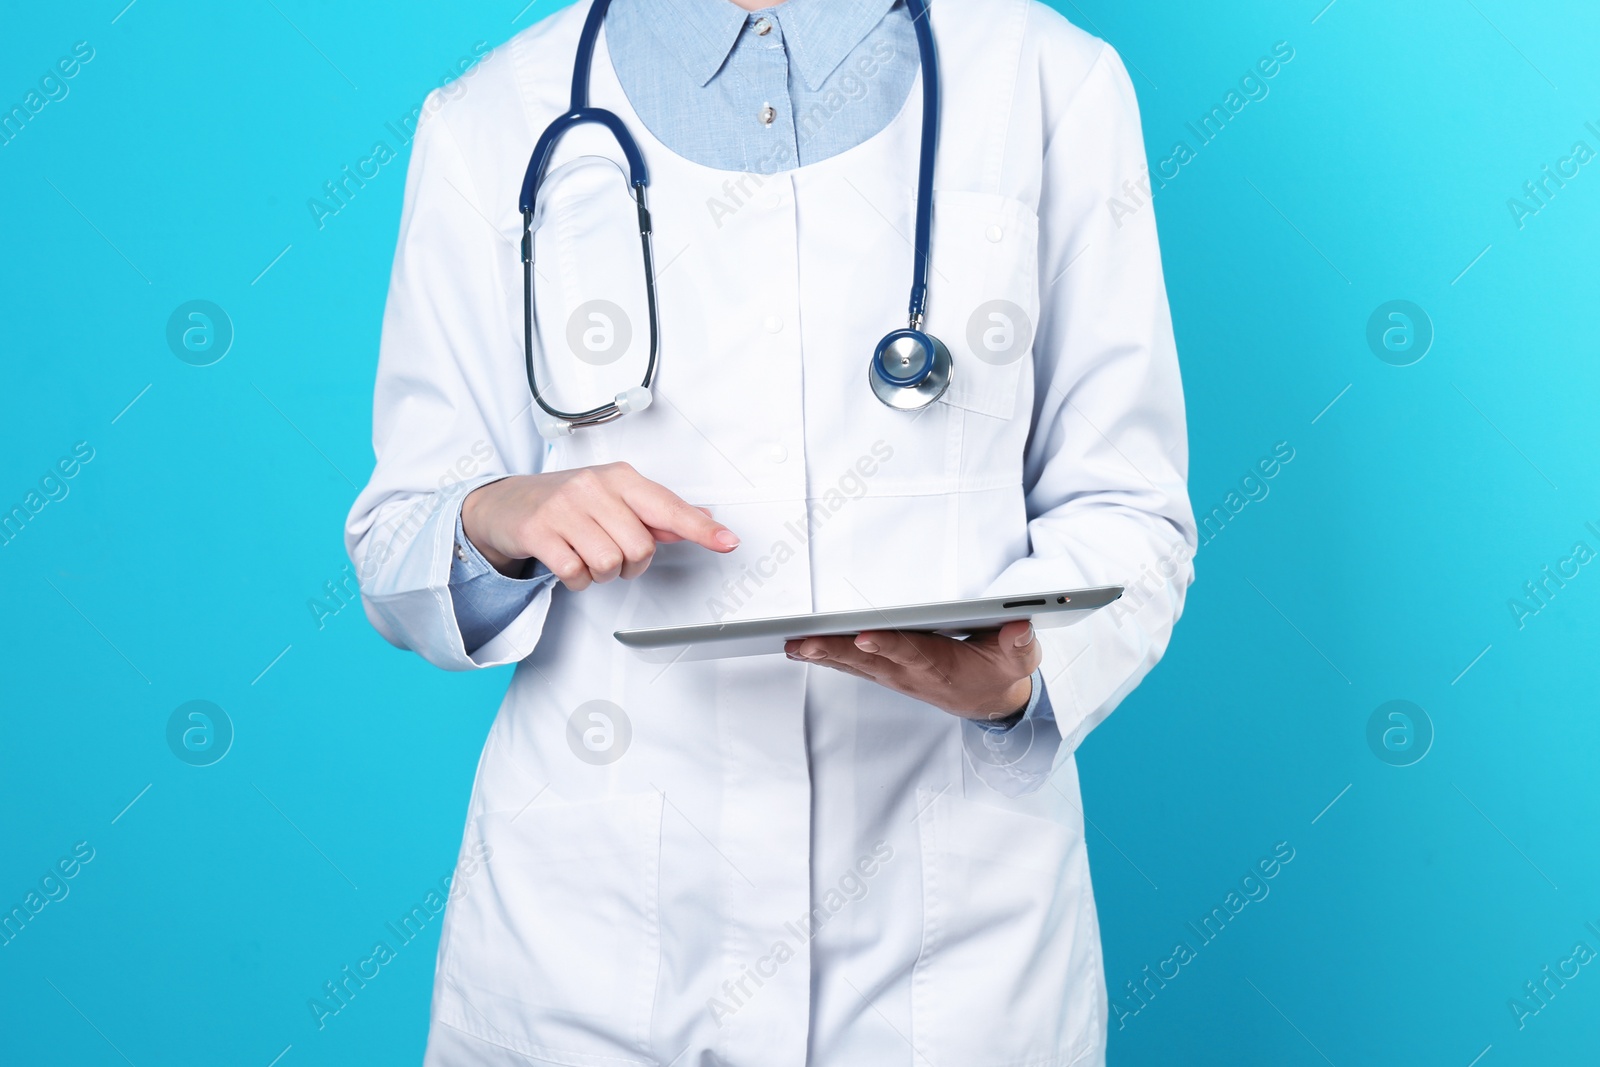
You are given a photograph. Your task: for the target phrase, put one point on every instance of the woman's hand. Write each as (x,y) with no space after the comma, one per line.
(987,676)
(589,524)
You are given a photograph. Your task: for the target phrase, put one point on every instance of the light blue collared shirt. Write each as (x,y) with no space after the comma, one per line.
(755,92)
(763,91)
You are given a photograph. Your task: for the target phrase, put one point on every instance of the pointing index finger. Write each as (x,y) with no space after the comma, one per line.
(663,511)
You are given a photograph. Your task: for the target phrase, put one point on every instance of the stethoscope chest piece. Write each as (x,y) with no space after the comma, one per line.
(910,370)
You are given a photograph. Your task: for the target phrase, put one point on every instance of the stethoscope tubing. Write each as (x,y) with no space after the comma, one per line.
(922,242)
(581,113)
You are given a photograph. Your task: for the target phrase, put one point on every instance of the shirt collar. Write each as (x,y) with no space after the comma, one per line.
(821,33)
(818,33)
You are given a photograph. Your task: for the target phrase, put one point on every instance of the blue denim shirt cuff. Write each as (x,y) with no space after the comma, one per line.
(486,601)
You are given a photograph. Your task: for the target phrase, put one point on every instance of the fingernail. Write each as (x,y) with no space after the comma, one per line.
(727,538)
(1026,639)
(867,646)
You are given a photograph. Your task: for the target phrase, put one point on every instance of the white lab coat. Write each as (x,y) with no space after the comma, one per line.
(780,864)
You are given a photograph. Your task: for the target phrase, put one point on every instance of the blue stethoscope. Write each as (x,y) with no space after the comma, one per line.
(910,368)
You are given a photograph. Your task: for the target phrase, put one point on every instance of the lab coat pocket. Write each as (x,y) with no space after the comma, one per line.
(554,950)
(1009,973)
(983,296)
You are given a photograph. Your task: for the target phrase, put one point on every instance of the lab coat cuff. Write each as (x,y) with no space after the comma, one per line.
(1014,763)
(1019,759)
(409,595)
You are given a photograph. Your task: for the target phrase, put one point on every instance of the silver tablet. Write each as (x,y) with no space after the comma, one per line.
(953,618)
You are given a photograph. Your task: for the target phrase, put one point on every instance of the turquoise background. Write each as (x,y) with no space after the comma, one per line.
(1378,567)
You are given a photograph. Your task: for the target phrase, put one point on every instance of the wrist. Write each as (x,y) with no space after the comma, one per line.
(1012,705)
(473,525)
(1020,696)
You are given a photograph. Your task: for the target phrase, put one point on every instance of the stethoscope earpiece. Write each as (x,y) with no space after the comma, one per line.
(634,398)
(553,428)
(550,427)
(910,369)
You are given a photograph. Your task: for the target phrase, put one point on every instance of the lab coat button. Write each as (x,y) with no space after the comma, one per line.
(776,453)
(994,234)
(772,324)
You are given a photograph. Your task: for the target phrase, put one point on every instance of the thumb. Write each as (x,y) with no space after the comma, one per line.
(1015,639)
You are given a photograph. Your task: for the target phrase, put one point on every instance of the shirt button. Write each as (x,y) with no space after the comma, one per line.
(776,453)
(768,114)
(994,234)
(763,27)
(772,324)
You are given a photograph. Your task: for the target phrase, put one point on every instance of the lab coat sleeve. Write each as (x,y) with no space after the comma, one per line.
(1107,459)
(450,407)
